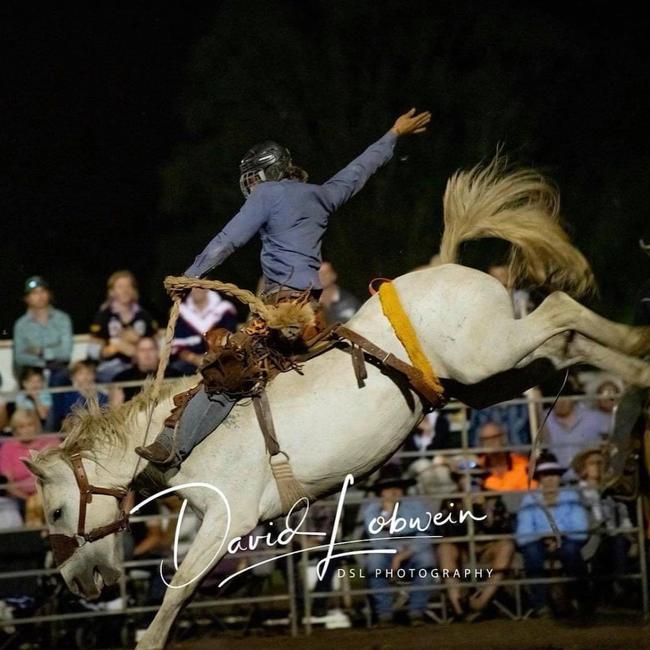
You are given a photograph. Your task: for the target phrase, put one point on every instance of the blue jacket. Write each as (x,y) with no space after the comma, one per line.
(291,218)
(568,513)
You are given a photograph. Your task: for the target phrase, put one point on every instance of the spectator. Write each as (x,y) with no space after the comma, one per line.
(433,476)
(9,511)
(25,427)
(201,311)
(431,433)
(608,519)
(536,539)
(507,471)
(33,396)
(571,427)
(607,394)
(118,325)
(145,359)
(411,554)
(512,417)
(83,383)
(492,518)
(339,305)
(42,337)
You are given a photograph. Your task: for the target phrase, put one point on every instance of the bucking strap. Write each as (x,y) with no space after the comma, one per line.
(265,419)
(415,377)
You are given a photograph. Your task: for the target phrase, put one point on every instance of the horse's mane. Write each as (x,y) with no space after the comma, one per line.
(91,426)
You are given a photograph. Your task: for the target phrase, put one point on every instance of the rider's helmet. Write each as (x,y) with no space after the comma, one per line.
(266,161)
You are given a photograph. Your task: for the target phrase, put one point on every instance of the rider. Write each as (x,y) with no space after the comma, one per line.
(291,216)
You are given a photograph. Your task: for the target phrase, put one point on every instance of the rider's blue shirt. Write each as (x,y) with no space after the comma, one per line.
(291,218)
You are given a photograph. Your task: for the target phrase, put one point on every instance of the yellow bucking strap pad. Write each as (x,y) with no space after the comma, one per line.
(398,318)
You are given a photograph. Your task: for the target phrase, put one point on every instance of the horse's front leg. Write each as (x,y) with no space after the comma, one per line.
(209,546)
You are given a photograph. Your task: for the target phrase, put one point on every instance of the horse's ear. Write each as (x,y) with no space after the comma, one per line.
(35,469)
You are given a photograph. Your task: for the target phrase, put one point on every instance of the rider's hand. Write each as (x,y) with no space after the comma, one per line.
(411,123)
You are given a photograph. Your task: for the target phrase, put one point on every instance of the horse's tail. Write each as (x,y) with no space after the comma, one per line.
(521,207)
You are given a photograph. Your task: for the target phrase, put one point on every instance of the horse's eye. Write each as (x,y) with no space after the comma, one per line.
(56,515)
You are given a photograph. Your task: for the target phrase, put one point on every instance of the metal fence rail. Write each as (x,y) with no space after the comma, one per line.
(297,594)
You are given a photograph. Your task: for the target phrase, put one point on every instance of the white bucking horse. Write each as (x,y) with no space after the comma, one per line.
(327,424)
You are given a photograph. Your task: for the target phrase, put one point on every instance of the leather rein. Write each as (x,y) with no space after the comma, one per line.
(64,546)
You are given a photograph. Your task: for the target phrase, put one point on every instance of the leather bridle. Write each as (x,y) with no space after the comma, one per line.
(64,546)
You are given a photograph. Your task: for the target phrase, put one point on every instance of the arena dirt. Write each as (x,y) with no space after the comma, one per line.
(608,633)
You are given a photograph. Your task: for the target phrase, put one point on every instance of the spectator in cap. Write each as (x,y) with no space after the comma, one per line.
(118,326)
(416,554)
(609,520)
(536,537)
(42,337)
(490,517)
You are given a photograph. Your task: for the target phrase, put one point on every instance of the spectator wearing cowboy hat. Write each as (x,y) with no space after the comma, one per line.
(490,517)
(42,337)
(415,554)
(536,537)
(608,520)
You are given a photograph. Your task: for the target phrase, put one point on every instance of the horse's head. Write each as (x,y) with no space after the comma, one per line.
(81,526)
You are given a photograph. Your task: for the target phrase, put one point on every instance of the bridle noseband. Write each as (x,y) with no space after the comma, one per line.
(63,546)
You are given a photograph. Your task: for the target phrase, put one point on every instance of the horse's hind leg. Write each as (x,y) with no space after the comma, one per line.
(630,369)
(561,313)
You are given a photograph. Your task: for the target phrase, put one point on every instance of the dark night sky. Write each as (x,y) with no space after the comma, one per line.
(93,113)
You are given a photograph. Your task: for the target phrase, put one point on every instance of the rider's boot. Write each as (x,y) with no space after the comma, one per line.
(161,451)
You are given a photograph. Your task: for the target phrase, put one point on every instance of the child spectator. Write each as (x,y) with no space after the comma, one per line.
(535,535)
(42,337)
(83,383)
(118,325)
(201,311)
(25,427)
(33,396)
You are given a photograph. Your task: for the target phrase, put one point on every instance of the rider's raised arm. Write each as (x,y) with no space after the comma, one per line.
(237,232)
(344,185)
